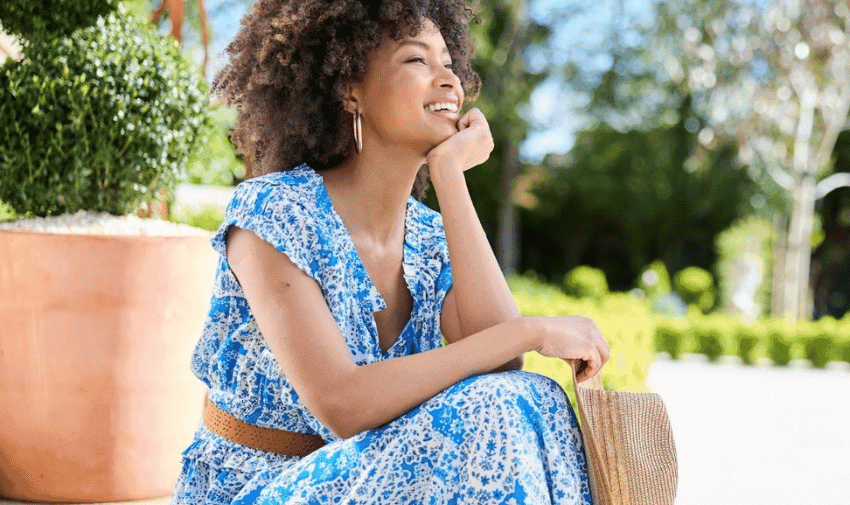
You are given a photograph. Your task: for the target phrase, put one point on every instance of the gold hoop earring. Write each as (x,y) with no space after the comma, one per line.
(358,132)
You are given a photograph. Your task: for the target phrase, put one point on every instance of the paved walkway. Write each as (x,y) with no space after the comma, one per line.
(753,435)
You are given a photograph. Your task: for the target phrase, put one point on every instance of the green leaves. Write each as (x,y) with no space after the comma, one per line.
(100,120)
(47,19)
(696,287)
(585,282)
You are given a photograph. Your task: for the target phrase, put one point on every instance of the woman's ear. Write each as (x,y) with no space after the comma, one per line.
(350,102)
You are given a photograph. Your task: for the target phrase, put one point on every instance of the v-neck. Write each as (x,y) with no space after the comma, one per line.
(406,264)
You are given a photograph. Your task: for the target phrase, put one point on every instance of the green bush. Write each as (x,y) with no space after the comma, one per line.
(585,282)
(208,218)
(779,341)
(625,303)
(818,350)
(217,164)
(841,350)
(6,212)
(708,337)
(750,341)
(635,334)
(45,19)
(695,286)
(719,334)
(671,335)
(819,346)
(101,120)
(655,280)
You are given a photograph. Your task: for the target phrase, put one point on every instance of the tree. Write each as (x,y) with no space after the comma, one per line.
(831,258)
(777,80)
(643,181)
(176,12)
(179,13)
(620,200)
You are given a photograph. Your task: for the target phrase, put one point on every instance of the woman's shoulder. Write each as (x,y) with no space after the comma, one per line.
(282,209)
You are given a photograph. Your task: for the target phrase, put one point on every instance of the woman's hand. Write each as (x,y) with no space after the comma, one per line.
(470,146)
(575,339)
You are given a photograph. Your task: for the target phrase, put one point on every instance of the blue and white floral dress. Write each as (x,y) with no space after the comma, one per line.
(508,437)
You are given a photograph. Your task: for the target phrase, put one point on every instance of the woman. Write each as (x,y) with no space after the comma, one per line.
(335,284)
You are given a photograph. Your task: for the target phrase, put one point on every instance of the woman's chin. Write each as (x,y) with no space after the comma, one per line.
(444,133)
(435,135)
(441,122)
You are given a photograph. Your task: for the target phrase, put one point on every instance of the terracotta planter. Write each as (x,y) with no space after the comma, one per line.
(96,333)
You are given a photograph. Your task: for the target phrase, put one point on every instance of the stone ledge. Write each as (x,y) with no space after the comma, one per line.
(165,500)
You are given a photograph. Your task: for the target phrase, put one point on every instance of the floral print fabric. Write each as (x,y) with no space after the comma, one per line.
(510,437)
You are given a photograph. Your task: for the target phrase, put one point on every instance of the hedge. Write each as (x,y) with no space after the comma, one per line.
(714,335)
(585,282)
(624,320)
(635,335)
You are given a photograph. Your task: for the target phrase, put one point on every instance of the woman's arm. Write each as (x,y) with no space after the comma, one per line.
(475,270)
(296,323)
(479,297)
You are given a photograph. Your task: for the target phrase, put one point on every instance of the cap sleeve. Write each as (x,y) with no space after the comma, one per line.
(273,212)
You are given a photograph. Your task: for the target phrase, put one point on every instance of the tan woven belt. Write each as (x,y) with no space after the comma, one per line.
(274,440)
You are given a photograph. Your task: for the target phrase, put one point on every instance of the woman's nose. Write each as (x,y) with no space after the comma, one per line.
(447,78)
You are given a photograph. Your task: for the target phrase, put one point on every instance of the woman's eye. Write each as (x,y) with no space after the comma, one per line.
(420,59)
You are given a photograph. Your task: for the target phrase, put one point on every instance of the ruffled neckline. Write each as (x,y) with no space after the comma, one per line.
(375,301)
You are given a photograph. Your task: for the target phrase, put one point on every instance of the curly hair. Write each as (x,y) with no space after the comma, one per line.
(291,64)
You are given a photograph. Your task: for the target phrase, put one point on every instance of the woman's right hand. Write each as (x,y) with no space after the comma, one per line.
(575,339)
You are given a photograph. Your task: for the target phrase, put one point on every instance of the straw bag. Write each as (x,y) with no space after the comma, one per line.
(627,438)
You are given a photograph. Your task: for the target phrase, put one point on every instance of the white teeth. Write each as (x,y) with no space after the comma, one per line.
(441,106)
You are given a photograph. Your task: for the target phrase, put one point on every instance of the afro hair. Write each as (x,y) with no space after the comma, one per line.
(291,64)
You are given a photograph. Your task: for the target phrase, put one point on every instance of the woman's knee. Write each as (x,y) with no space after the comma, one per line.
(511,386)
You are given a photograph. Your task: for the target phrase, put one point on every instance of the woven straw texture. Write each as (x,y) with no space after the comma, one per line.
(629,445)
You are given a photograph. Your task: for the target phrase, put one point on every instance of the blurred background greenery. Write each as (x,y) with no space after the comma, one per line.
(676,170)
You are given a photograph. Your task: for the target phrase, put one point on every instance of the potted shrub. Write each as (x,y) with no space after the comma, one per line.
(96,327)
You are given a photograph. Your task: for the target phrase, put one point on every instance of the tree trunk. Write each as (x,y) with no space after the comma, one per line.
(205,33)
(802,199)
(508,238)
(176,14)
(780,248)
(799,251)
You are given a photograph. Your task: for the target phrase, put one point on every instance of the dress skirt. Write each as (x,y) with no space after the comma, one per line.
(503,438)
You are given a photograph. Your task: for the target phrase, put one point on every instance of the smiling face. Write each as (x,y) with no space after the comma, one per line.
(410,96)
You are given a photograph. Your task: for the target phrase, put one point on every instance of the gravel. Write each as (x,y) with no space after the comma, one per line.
(102,223)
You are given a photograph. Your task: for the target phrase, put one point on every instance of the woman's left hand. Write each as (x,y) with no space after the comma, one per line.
(469,147)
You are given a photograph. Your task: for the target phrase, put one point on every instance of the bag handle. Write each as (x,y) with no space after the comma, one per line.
(594,453)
